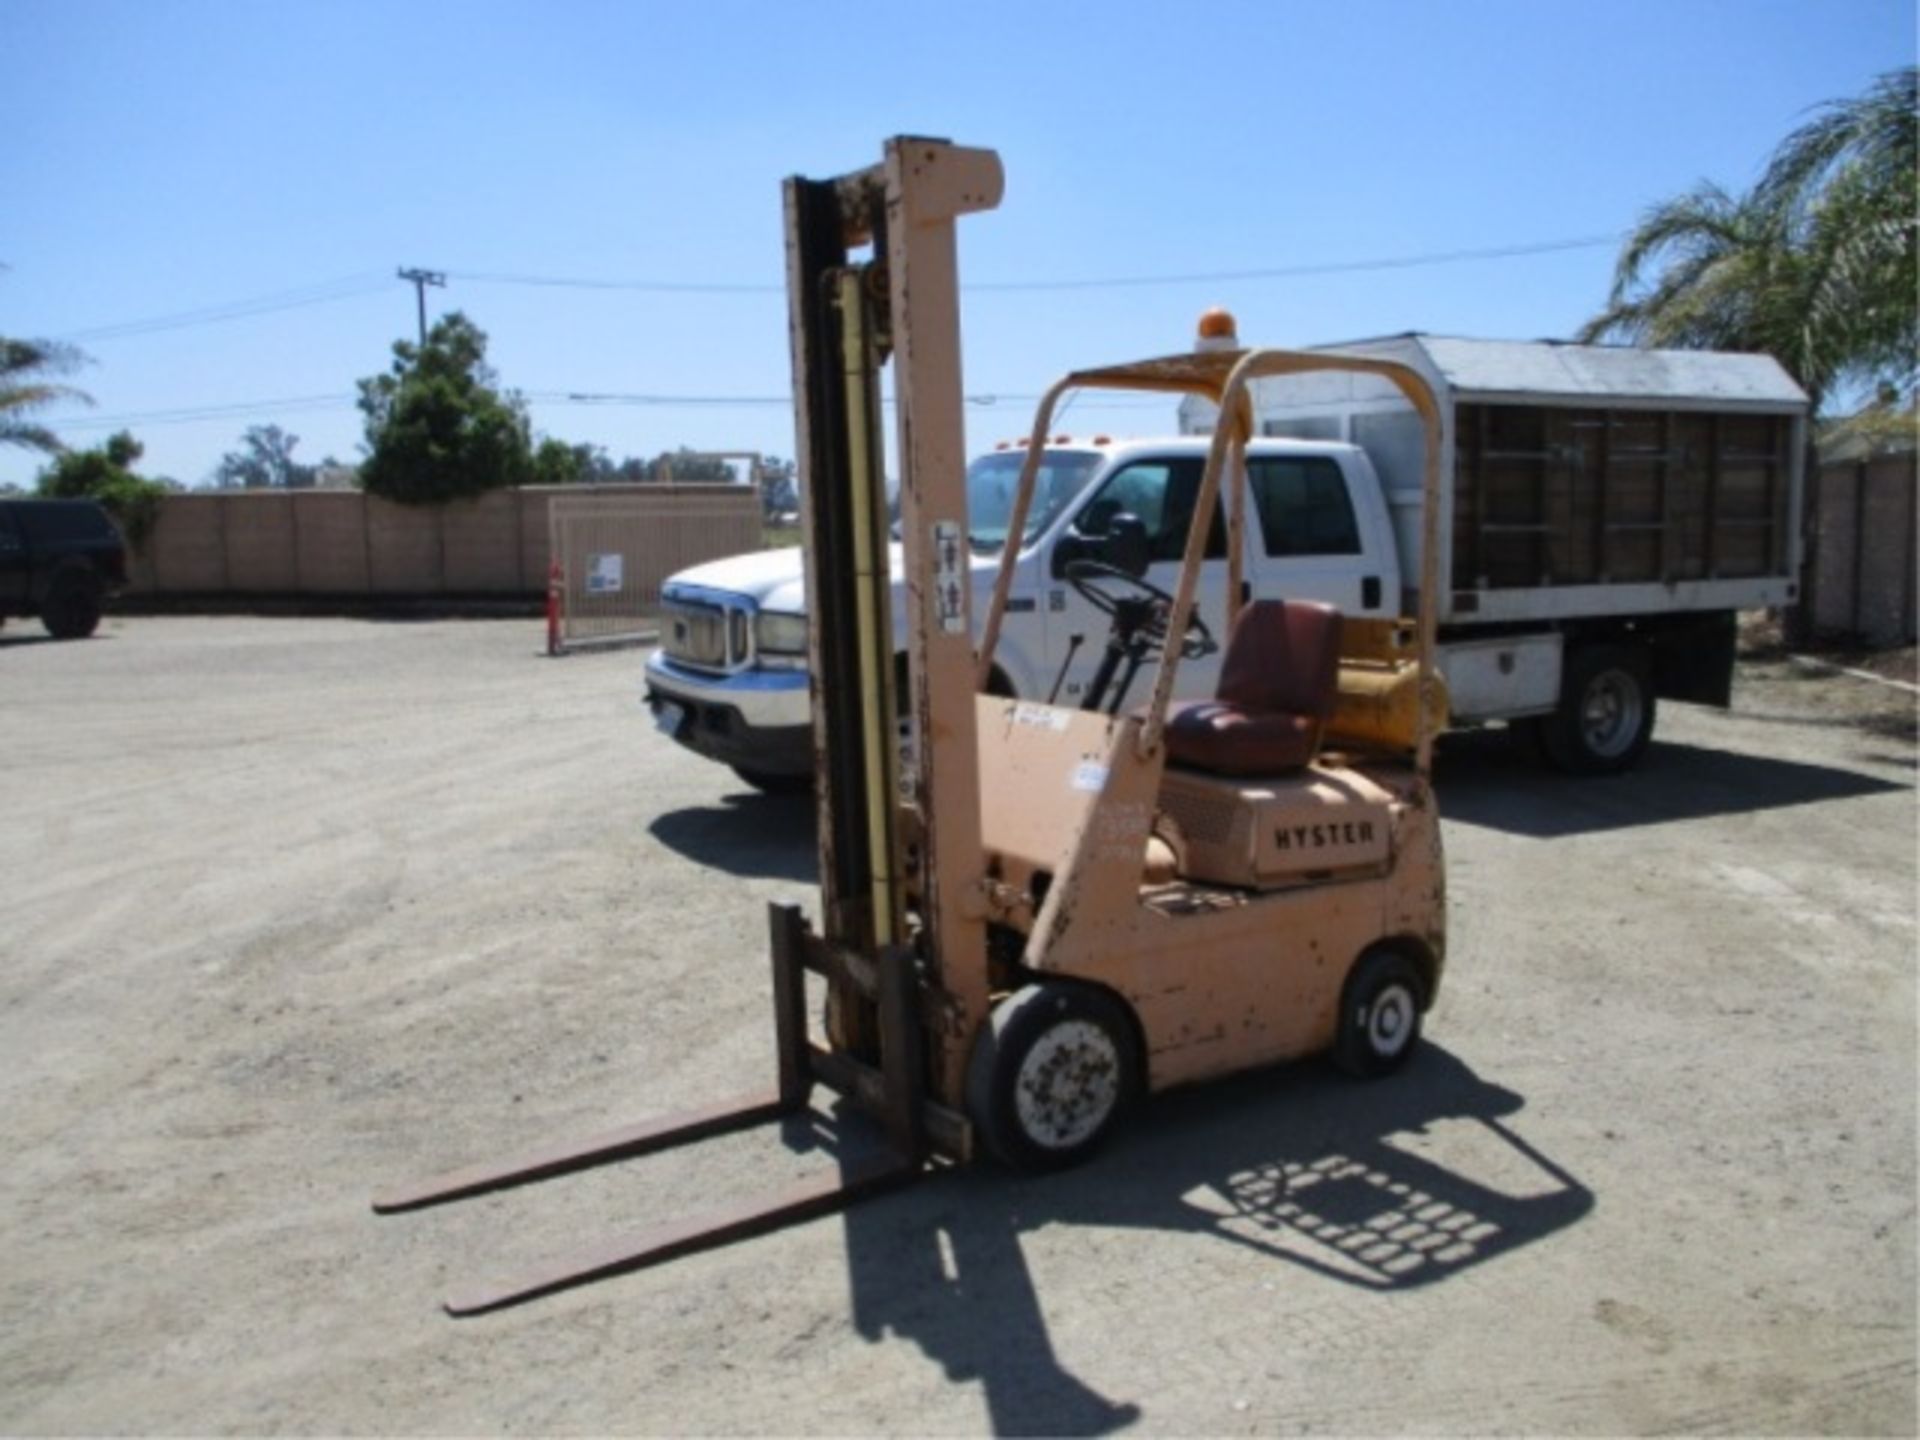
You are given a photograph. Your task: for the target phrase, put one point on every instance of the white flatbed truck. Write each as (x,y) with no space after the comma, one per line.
(1607,513)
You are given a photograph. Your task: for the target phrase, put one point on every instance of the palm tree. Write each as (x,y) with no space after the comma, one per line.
(1875,136)
(1815,265)
(1849,174)
(24,390)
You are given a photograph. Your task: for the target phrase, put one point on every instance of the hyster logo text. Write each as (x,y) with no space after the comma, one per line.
(1318,837)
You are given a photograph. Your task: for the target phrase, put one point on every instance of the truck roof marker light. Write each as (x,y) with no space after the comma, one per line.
(1218,324)
(1103,439)
(1063,440)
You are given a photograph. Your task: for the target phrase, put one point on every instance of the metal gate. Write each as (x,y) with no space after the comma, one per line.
(613,552)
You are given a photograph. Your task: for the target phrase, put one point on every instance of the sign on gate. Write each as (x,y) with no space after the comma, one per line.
(616,549)
(603,574)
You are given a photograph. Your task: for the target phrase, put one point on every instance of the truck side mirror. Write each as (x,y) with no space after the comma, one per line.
(1106,533)
(1125,545)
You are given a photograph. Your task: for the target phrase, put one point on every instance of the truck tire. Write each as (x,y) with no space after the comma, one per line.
(1052,1072)
(71,610)
(1380,1007)
(1606,711)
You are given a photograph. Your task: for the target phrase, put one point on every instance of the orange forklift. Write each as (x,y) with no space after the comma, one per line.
(1033,915)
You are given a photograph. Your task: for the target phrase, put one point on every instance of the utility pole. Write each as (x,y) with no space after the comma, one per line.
(421,279)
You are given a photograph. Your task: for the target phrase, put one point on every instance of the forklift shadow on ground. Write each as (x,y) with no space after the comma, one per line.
(1492,779)
(1384,1187)
(748,835)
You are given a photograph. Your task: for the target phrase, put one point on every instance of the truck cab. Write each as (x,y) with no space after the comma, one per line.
(729,678)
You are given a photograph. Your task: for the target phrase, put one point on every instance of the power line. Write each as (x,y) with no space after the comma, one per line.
(238,409)
(577,397)
(324,292)
(662,287)
(1111,282)
(366,283)
(187,414)
(983,400)
(1328,267)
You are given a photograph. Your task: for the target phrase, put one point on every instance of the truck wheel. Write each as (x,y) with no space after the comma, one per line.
(1606,710)
(72,610)
(1380,1009)
(768,784)
(1052,1072)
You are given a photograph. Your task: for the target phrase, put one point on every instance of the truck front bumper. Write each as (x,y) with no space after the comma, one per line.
(760,720)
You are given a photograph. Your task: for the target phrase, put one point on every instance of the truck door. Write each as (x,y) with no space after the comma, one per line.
(1309,546)
(1161,492)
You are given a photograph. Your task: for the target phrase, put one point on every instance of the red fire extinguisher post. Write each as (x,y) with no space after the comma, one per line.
(556,584)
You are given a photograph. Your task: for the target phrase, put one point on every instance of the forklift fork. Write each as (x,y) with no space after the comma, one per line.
(894,1091)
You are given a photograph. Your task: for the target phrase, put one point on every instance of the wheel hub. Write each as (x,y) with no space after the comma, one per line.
(1068,1085)
(1610,714)
(1390,1021)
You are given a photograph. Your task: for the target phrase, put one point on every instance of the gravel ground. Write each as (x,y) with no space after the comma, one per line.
(297,908)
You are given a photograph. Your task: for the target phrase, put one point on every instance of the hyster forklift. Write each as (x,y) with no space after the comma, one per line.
(1040,914)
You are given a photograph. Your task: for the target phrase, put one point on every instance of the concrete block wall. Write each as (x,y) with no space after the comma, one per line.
(1862,550)
(345,544)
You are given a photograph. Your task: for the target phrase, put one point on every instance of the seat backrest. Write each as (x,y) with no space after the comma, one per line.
(1283,657)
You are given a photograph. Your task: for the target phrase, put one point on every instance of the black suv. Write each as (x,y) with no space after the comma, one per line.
(59,559)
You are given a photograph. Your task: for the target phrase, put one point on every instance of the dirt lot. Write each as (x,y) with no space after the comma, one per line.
(294,909)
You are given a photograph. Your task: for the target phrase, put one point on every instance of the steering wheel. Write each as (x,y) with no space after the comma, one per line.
(1087,577)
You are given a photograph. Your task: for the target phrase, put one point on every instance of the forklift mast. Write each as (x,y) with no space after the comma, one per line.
(899,854)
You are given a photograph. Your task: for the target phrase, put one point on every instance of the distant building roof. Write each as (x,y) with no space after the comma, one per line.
(1868,434)
(1618,372)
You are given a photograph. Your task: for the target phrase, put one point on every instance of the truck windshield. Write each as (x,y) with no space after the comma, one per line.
(992,480)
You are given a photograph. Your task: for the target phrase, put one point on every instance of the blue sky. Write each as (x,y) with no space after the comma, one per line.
(165,158)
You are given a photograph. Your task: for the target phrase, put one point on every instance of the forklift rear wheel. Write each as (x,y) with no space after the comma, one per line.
(1052,1073)
(1379,1014)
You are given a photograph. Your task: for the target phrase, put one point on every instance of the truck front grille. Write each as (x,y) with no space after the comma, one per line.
(709,636)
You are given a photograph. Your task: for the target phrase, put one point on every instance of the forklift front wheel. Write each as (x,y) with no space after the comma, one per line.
(1379,1014)
(1052,1073)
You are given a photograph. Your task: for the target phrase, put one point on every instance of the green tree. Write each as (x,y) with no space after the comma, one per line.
(263,461)
(26,389)
(106,475)
(1815,265)
(779,491)
(555,462)
(437,426)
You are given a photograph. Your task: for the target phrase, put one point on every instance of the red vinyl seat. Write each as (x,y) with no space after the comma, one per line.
(1278,682)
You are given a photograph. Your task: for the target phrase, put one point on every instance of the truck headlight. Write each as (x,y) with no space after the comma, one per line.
(778,634)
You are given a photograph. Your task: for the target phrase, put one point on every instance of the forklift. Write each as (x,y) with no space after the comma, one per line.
(1032,915)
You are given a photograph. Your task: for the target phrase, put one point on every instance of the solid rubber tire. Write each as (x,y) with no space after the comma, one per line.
(1016,1025)
(1373,973)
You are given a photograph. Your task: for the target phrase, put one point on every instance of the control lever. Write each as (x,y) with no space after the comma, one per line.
(1073,647)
